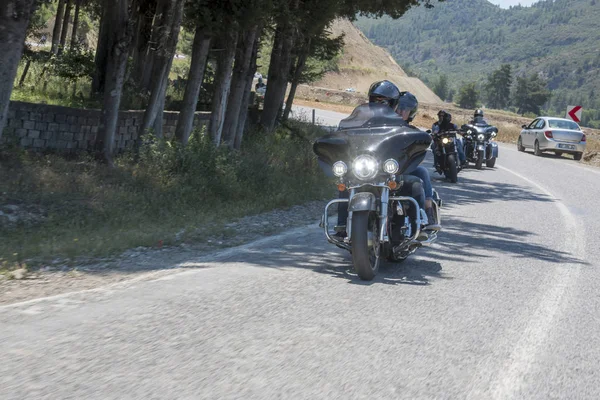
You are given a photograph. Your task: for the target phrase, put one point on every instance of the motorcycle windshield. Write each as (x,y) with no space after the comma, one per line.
(370,115)
(376,130)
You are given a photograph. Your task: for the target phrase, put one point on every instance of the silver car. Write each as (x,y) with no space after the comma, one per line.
(558,135)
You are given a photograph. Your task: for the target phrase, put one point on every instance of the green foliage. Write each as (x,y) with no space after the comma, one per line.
(325,52)
(498,87)
(531,94)
(74,63)
(474,37)
(441,87)
(468,96)
(93,211)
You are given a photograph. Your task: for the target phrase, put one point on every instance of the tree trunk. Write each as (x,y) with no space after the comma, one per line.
(156,44)
(241,71)
(144,33)
(164,58)
(65,26)
(60,11)
(119,36)
(75,24)
(102,50)
(222,85)
(200,49)
(157,125)
(296,78)
(279,69)
(24,74)
(241,126)
(14,20)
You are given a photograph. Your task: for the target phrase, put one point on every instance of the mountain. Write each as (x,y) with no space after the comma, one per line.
(363,63)
(468,39)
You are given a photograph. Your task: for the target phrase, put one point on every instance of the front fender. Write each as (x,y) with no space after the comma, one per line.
(363,201)
(493,150)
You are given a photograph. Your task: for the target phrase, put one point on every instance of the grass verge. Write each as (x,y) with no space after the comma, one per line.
(72,208)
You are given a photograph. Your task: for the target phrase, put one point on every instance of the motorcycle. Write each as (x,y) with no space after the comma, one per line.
(369,155)
(446,157)
(480,145)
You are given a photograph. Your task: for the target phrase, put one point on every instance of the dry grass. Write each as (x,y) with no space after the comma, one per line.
(81,208)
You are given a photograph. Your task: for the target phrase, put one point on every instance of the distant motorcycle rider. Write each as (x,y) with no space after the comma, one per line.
(478,118)
(444,123)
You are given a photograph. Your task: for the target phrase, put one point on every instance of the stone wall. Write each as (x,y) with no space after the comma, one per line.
(45,127)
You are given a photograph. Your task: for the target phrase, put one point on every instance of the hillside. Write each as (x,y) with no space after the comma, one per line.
(363,63)
(468,39)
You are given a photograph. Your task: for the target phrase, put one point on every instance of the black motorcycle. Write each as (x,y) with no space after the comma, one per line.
(446,155)
(369,155)
(479,144)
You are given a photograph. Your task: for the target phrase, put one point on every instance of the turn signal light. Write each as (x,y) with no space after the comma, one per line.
(393,185)
(341,187)
(548,134)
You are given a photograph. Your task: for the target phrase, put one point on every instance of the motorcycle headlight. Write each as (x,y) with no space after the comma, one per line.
(391,166)
(470,132)
(481,137)
(446,140)
(364,167)
(339,168)
(494,134)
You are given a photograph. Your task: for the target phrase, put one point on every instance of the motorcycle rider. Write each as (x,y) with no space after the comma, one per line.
(404,104)
(478,118)
(408,106)
(444,123)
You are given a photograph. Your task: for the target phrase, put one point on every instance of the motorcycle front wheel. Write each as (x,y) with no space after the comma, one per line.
(452,170)
(365,256)
(479,163)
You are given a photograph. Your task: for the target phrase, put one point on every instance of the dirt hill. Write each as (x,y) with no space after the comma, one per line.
(363,63)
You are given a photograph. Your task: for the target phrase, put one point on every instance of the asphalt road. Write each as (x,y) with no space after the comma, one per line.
(504,306)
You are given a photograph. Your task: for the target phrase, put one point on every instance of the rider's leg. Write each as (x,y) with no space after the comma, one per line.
(461,151)
(422,173)
(413,187)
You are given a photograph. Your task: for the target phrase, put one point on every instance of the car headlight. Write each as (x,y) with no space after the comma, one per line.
(391,166)
(481,137)
(364,167)
(339,168)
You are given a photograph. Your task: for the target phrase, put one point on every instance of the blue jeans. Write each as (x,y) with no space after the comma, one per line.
(460,148)
(423,174)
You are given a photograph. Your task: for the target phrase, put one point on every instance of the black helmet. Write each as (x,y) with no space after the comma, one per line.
(442,112)
(478,112)
(386,92)
(408,101)
(447,118)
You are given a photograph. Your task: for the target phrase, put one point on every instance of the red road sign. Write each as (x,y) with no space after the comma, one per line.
(574,112)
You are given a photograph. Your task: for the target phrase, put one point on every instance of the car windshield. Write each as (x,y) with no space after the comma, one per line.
(562,124)
(371,115)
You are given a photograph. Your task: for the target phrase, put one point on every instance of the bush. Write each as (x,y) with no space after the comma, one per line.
(86,208)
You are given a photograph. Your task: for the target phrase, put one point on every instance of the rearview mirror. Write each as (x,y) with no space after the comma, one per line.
(524,126)
(428,131)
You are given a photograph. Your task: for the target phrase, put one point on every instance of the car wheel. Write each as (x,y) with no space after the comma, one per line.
(536,149)
(520,146)
(558,153)
(578,156)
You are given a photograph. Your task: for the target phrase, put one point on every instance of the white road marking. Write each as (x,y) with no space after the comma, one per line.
(511,376)
(148,277)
